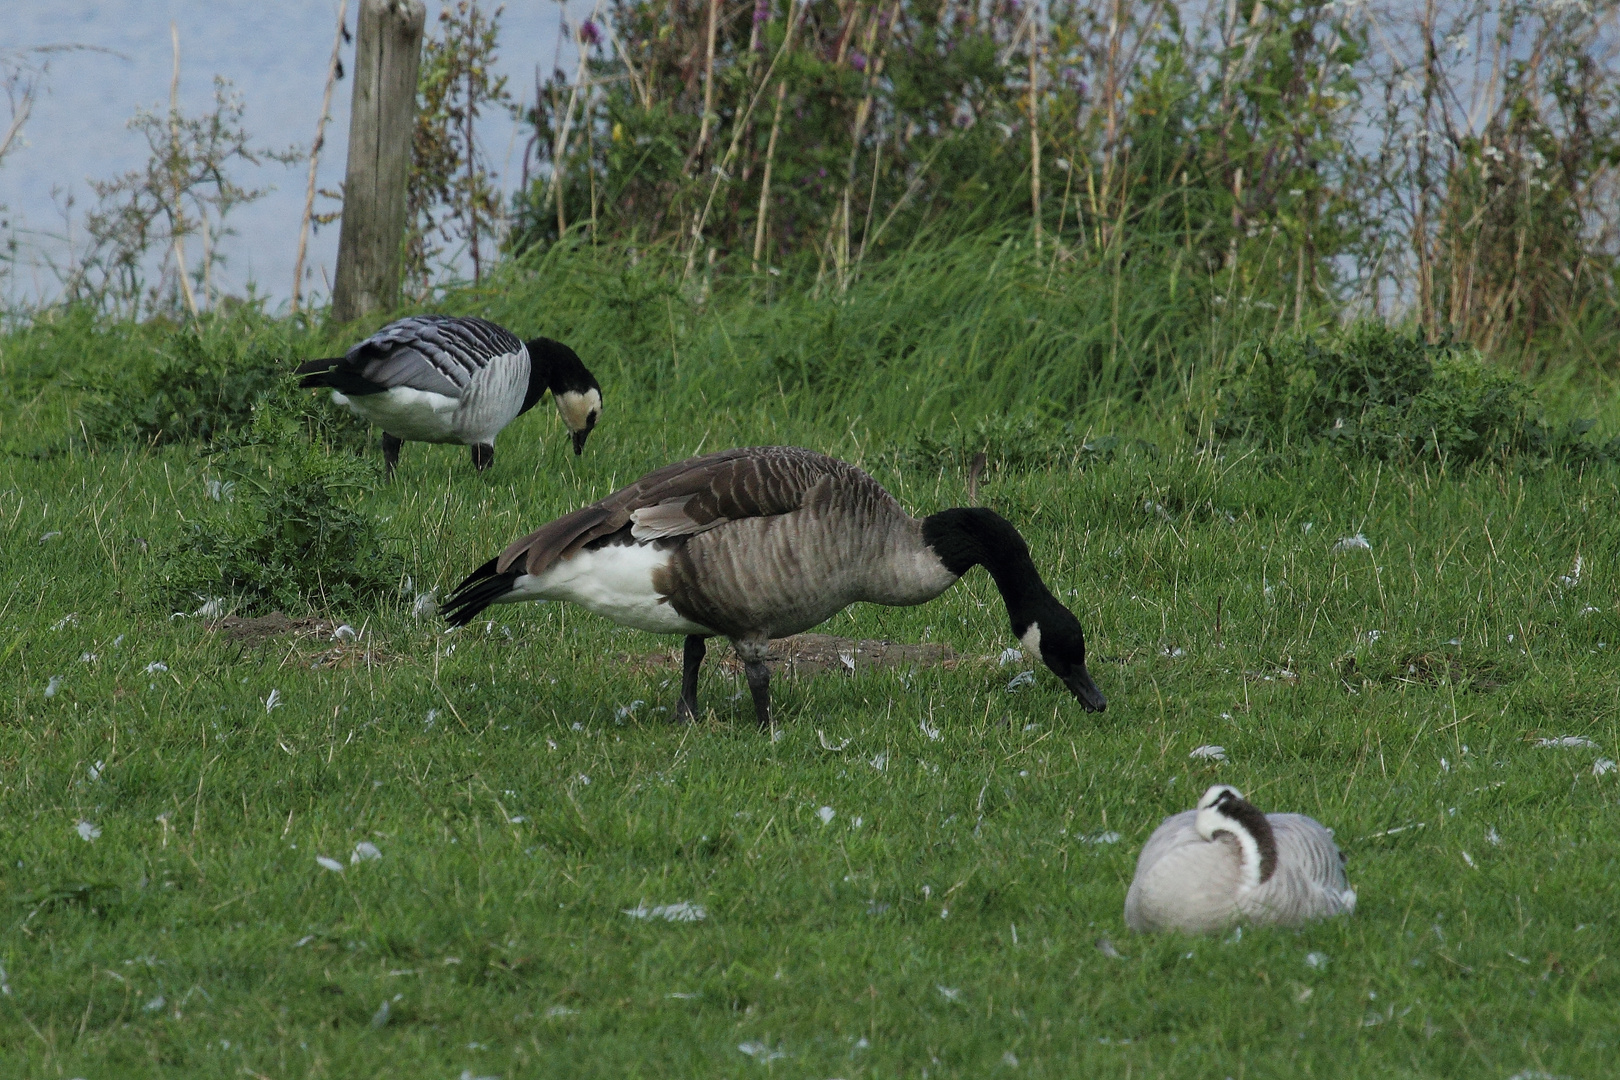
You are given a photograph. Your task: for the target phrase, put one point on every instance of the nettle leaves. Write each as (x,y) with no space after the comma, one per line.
(291,533)
(1380,392)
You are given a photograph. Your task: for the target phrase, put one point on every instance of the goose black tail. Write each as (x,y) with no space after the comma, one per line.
(333,373)
(483,587)
(317,372)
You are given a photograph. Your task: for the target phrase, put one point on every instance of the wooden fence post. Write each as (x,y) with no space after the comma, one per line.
(388,53)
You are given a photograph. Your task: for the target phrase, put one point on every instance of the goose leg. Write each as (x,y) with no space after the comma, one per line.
(691,660)
(759,684)
(390,447)
(483,456)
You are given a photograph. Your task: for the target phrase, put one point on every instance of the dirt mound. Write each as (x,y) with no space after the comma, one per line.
(261,629)
(338,645)
(819,654)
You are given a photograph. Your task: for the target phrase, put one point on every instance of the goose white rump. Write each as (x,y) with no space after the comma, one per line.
(615,580)
(407,413)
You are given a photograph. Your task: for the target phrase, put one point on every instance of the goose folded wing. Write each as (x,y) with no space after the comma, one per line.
(432,354)
(684,499)
(1311,849)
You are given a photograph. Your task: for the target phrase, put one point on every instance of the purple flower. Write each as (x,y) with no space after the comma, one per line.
(857,60)
(762,11)
(589,34)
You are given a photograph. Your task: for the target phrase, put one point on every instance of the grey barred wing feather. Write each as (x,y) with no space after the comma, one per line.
(1311,883)
(1317,860)
(687,498)
(433,353)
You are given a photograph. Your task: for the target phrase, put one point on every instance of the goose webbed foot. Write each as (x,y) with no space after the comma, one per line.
(759,684)
(483,456)
(390,449)
(691,660)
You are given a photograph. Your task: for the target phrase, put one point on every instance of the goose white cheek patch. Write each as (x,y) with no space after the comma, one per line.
(1032,641)
(576,407)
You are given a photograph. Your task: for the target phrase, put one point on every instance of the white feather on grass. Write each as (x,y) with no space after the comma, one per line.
(680,911)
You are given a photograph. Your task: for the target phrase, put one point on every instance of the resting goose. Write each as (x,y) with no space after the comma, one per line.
(440,379)
(761,543)
(1204,870)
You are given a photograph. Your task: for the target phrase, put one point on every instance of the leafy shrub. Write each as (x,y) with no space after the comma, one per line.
(292,536)
(1382,392)
(199,384)
(179,391)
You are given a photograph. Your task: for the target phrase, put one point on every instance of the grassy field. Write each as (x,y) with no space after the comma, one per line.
(923,876)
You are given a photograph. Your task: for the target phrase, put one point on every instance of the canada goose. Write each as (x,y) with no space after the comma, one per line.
(439,379)
(1226,862)
(761,543)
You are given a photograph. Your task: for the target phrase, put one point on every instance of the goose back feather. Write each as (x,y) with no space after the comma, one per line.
(435,353)
(777,540)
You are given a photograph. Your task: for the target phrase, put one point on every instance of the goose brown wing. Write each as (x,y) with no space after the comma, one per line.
(690,497)
(434,353)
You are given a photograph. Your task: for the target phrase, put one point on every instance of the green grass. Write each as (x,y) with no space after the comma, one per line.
(954,929)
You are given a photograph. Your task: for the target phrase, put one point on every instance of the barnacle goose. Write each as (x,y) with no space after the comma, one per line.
(445,379)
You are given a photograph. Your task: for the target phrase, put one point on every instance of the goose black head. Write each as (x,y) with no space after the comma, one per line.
(965,537)
(1054,636)
(556,367)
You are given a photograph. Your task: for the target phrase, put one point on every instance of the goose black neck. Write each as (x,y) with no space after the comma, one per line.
(973,536)
(554,366)
(1251,819)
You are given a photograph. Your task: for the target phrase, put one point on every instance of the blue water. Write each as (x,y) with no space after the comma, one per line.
(275,54)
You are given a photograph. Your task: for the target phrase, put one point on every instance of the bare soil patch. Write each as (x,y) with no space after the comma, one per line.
(1429,668)
(332,649)
(258,631)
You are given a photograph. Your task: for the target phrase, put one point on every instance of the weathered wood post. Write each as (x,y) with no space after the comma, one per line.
(388,52)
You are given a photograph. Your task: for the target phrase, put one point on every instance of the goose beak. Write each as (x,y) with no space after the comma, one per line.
(1080,684)
(579,441)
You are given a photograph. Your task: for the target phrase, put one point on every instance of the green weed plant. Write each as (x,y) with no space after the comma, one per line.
(286,531)
(1383,392)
